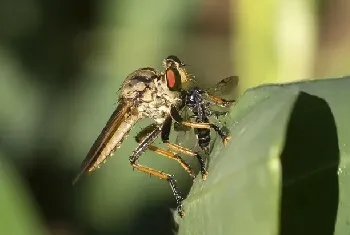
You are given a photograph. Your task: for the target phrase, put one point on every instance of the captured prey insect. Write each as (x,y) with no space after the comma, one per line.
(199,101)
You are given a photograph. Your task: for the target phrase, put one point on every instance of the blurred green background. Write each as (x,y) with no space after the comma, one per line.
(61,63)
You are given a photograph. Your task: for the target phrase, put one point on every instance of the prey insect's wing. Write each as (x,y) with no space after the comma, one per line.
(185,135)
(224,87)
(94,156)
(187,139)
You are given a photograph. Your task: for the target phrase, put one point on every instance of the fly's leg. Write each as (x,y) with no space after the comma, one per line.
(165,138)
(144,144)
(217,114)
(225,138)
(174,113)
(176,116)
(216,100)
(171,155)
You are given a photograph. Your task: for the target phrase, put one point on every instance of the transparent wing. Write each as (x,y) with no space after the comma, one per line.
(115,123)
(185,135)
(224,87)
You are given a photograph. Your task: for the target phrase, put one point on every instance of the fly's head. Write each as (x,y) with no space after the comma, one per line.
(173,60)
(175,73)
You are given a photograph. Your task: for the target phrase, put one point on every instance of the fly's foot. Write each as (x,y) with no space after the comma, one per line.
(203,167)
(204,175)
(229,102)
(177,195)
(225,139)
(193,176)
(180,211)
(185,165)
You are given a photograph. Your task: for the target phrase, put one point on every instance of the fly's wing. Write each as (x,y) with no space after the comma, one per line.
(216,94)
(225,87)
(187,139)
(94,156)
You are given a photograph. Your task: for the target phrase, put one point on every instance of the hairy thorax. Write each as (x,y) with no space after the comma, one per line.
(149,95)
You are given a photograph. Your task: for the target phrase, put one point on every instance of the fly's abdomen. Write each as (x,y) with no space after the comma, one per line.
(111,137)
(203,138)
(115,141)
(203,135)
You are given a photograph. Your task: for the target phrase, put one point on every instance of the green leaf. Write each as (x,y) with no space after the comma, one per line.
(285,170)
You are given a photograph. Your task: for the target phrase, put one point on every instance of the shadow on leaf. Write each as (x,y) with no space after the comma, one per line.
(310,161)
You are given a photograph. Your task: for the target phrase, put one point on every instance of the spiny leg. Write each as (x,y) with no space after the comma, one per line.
(225,138)
(216,114)
(176,116)
(147,130)
(170,179)
(137,153)
(174,113)
(165,138)
(216,100)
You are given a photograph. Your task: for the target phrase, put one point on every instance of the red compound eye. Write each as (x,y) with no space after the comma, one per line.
(170,76)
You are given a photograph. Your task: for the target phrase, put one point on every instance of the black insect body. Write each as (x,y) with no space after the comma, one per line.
(196,104)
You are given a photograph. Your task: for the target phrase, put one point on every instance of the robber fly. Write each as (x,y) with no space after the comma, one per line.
(145,93)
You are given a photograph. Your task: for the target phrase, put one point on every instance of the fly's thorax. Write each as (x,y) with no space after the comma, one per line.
(138,82)
(149,94)
(157,101)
